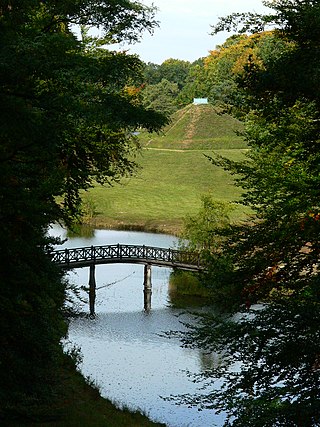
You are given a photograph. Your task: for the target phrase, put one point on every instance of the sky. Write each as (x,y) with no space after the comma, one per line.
(185,27)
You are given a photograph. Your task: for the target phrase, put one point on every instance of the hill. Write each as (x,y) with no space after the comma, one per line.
(174,172)
(198,127)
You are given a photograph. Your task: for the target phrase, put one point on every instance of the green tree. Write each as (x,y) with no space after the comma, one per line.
(152,73)
(224,64)
(195,84)
(183,74)
(202,231)
(161,97)
(269,371)
(174,70)
(67,118)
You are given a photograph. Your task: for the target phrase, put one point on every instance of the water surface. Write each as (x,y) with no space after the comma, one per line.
(124,350)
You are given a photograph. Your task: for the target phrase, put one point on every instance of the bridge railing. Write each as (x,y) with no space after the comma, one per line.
(117,253)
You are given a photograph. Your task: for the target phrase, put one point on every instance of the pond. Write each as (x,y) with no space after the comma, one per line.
(124,350)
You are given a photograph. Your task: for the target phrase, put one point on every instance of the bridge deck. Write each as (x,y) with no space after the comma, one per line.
(107,254)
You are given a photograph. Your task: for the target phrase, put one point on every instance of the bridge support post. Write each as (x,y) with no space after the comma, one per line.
(147,287)
(92,290)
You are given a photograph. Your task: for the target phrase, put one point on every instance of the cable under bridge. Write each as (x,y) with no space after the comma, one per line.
(90,256)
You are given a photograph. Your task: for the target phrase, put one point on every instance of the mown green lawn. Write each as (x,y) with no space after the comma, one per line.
(166,189)
(174,174)
(197,127)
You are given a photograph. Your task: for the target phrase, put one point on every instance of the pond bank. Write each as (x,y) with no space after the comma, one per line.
(173,227)
(82,405)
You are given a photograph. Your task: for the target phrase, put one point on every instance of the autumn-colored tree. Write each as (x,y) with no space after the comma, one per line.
(227,63)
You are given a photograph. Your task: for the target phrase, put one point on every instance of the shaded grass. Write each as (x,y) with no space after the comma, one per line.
(82,405)
(168,187)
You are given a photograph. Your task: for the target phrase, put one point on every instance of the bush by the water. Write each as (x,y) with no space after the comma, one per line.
(186,283)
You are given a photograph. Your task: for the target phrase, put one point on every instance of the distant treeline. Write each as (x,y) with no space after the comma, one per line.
(175,83)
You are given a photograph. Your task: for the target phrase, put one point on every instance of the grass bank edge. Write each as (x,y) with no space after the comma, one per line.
(166,190)
(82,405)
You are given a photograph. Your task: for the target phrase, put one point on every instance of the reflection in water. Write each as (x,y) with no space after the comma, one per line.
(209,360)
(81,230)
(124,349)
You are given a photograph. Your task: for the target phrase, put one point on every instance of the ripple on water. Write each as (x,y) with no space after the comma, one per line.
(134,365)
(123,351)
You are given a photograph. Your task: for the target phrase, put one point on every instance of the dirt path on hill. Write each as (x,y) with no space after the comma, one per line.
(195,113)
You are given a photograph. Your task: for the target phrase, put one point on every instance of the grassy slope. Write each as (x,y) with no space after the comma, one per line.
(174,174)
(83,406)
(198,127)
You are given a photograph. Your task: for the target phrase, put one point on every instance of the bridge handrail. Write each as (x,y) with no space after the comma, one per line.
(70,256)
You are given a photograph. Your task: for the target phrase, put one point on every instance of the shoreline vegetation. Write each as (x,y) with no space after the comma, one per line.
(158,227)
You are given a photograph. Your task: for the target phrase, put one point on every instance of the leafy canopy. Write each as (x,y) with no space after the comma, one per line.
(67,119)
(269,353)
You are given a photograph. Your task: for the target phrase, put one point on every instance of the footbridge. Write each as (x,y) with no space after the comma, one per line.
(91,256)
